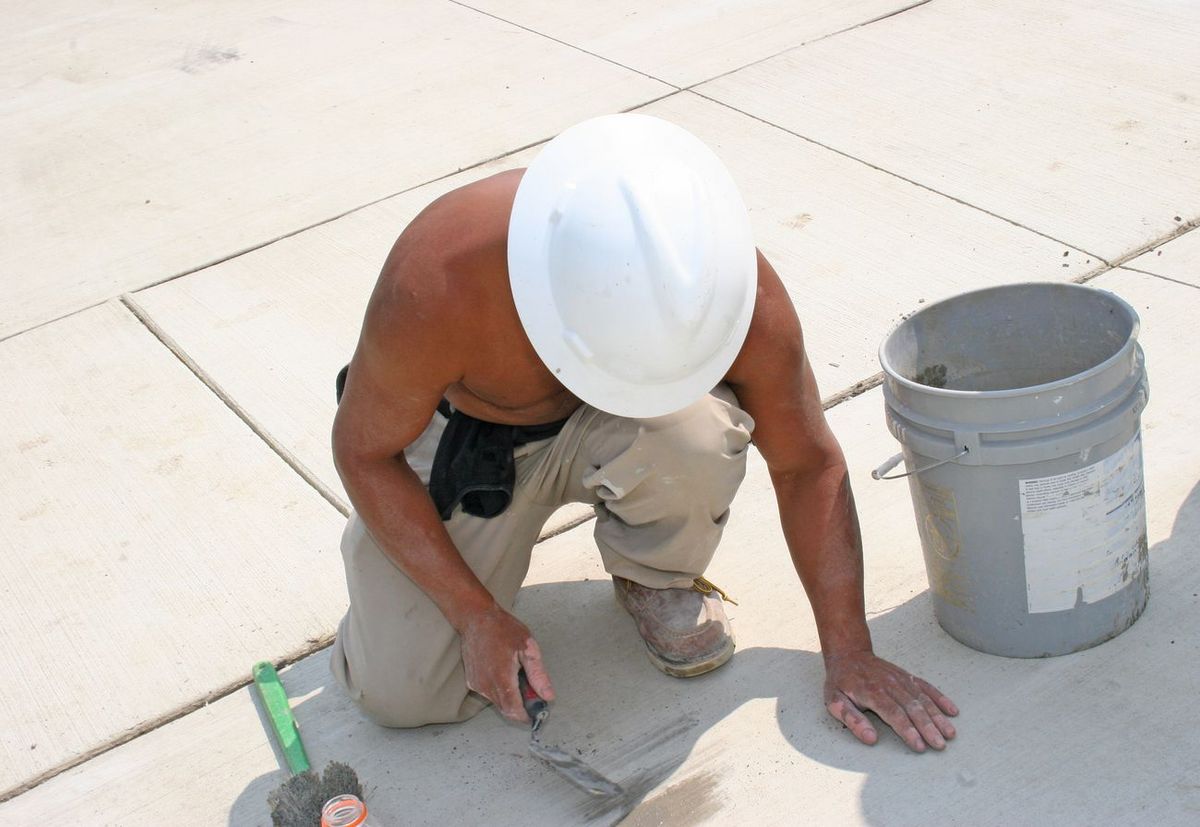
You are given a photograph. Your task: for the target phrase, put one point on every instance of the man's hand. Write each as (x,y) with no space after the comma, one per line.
(916,710)
(495,645)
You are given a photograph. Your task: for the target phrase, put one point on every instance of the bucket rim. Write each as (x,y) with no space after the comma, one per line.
(892,375)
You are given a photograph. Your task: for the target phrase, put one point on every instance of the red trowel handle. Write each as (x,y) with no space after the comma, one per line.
(536,708)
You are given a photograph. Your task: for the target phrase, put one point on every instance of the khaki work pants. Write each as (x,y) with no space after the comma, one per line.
(661,489)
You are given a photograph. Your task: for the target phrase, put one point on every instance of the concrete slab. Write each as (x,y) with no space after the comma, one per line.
(1077,739)
(857,248)
(1178,259)
(155,547)
(273,327)
(1076,119)
(144,142)
(683,42)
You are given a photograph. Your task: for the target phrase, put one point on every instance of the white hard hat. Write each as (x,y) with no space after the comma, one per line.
(632,264)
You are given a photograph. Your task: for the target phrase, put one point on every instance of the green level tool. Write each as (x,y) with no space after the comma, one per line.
(280,712)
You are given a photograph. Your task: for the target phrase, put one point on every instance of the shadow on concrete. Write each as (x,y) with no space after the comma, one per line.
(615,710)
(1037,737)
(1093,737)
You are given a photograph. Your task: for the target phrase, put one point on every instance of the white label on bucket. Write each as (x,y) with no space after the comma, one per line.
(1085,531)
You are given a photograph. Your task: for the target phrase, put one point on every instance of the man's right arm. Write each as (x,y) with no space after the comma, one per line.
(401,368)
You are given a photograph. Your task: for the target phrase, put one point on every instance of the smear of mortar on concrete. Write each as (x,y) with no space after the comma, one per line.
(691,801)
(932,375)
(641,783)
(636,748)
(613,810)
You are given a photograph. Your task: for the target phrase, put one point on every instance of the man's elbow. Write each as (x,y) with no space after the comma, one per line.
(348,456)
(818,463)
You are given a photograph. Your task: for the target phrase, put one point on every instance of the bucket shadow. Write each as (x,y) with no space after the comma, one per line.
(1092,737)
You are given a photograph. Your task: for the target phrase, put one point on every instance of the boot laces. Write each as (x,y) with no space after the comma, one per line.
(705,586)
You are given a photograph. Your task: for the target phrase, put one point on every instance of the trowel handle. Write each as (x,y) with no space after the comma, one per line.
(535,707)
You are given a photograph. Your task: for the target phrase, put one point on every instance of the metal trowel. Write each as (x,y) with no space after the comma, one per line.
(570,768)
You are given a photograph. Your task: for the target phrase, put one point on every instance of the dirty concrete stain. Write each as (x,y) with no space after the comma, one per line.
(198,59)
(30,444)
(169,465)
(797,222)
(691,801)
(34,512)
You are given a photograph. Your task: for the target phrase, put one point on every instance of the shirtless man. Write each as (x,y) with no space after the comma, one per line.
(596,329)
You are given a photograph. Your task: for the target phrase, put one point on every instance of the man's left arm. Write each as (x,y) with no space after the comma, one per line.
(774,384)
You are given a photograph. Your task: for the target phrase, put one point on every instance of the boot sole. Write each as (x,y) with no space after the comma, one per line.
(691,670)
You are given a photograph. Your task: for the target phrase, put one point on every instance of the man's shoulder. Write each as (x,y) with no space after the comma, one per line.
(450,262)
(459,237)
(476,211)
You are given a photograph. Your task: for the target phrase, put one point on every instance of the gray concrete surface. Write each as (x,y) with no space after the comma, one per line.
(170,506)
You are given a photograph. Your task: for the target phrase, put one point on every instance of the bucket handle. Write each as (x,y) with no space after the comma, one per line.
(879,473)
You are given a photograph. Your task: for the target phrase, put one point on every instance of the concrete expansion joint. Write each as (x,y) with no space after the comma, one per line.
(857,389)
(312,646)
(40,325)
(565,43)
(240,412)
(887,171)
(692,87)
(1159,276)
(1119,263)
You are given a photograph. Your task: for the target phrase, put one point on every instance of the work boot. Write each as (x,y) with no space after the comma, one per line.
(686,630)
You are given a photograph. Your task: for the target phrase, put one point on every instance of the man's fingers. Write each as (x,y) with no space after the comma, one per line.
(895,715)
(844,710)
(940,721)
(508,698)
(945,704)
(914,708)
(535,670)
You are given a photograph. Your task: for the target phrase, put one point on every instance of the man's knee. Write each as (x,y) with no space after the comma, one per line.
(401,692)
(697,455)
(412,703)
(408,709)
(712,430)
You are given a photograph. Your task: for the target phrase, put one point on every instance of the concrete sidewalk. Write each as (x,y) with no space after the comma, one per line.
(198,203)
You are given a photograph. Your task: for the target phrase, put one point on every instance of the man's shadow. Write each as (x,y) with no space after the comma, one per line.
(615,711)
(1030,729)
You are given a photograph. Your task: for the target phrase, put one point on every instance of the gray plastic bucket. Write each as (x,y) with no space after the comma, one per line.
(1018,411)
